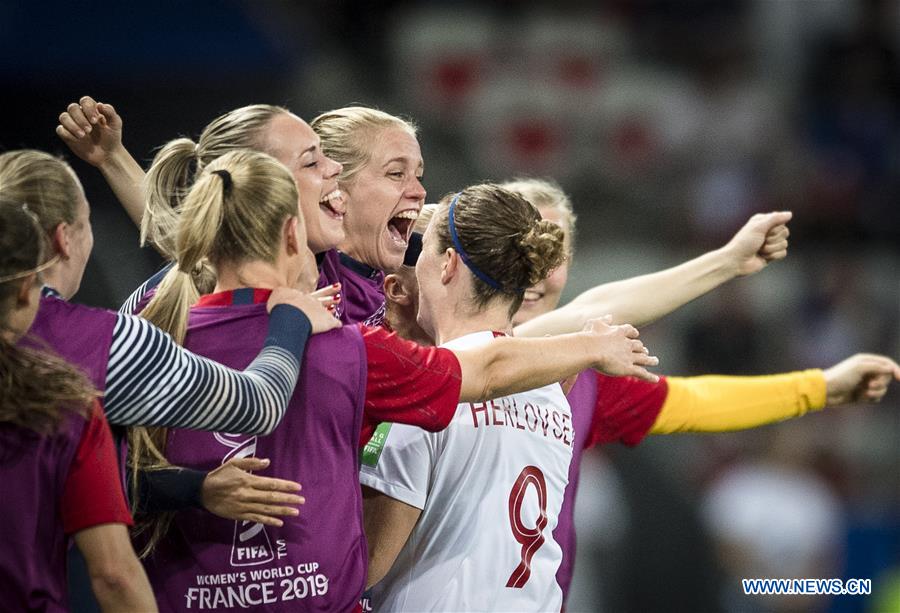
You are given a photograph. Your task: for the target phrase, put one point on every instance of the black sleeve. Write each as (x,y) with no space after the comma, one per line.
(169,489)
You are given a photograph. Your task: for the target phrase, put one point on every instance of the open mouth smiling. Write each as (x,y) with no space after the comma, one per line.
(400,226)
(333,204)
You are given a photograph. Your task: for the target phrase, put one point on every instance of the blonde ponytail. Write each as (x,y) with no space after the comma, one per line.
(233,213)
(166,185)
(181,161)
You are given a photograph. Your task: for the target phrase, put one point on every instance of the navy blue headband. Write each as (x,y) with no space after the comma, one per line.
(462,252)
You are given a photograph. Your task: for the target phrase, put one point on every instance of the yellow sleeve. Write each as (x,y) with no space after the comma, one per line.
(715,403)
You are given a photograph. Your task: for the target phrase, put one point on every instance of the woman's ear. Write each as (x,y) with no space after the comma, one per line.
(450,266)
(60,240)
(290,237)
(395,290)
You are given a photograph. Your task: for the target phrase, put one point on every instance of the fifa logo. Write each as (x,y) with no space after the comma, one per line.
(251,545)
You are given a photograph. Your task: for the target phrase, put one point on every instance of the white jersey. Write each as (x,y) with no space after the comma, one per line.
(490,488)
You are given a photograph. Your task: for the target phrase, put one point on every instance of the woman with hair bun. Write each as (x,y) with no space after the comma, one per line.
(624,409)
(352,378)
(475,505)
(57,459)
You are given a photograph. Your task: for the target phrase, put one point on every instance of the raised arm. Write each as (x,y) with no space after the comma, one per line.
(510,365)
(153,381)
(93,131)
(643,299)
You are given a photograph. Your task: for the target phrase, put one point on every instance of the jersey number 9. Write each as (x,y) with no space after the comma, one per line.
(529,537)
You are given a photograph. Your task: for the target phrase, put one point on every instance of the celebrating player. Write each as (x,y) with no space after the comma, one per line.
(454,517)
(352,379)
(382,185)
(608,409)
(621,409)
(57,460)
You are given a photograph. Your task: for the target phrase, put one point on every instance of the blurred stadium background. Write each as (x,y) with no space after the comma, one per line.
(669,123)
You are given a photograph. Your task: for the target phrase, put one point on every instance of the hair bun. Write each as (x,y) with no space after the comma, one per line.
(543,248)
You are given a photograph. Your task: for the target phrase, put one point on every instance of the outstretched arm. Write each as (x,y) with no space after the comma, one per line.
(510,365)
(153,381)
(643,299)
(720,404)
(93,131)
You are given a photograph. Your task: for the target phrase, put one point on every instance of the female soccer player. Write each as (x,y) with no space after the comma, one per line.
(462,519)
(608,409)
(57,460)
(382,186)
(352,379)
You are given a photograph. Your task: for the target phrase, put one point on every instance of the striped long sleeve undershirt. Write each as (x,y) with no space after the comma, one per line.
(130,306)
(153,381)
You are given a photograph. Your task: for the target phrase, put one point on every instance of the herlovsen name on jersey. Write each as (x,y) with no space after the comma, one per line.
(549,422)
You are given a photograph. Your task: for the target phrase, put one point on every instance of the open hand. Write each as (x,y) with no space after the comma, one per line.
(232,492)
(621,353)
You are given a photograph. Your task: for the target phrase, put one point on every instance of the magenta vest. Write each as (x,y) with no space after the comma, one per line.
(33,546)
(582,399)
(316,561)
(79,334)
